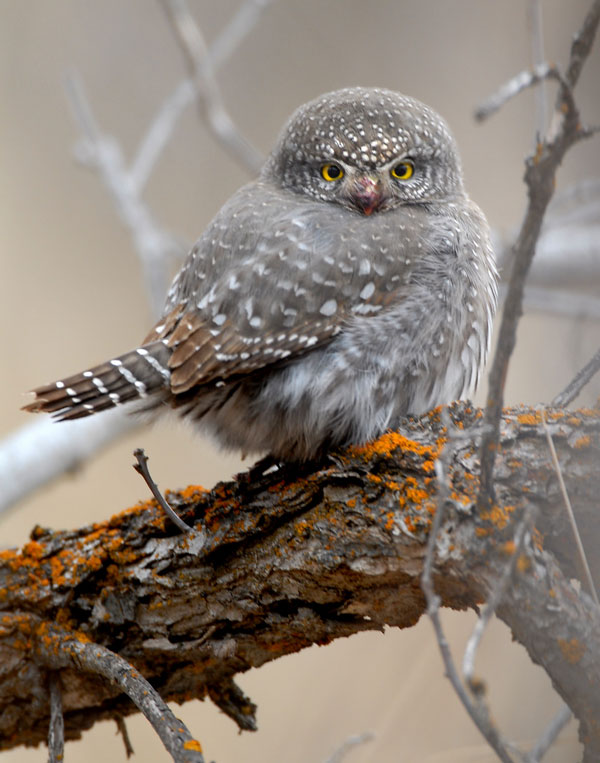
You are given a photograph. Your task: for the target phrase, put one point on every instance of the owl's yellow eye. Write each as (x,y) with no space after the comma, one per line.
(332,172)
(403,171)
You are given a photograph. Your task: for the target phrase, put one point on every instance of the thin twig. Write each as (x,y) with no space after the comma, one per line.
(540,179)
(348,745)
(159,133)
(161,129)
(536,28)
(154,246)
(492,603)
(246,17)
(549,735)
(208,95)
(122,730)
(141,467)
(525,79)
(574,387)
(479,713)
(570,514)
(56,729)
(59,648)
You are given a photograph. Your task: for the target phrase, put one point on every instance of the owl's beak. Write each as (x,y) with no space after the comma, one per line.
(367,193)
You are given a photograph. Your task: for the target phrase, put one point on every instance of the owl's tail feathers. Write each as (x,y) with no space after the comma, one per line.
(131,376)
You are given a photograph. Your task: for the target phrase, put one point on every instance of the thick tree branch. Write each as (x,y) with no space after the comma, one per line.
(280,564)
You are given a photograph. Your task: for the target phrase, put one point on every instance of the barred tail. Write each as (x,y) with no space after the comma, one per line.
(134,375)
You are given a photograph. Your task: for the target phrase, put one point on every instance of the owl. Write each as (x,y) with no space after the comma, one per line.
(350,285)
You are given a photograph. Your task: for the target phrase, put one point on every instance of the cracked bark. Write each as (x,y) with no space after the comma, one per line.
(283,563)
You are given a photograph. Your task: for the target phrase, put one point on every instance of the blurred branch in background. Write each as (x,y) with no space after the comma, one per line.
(40,451)
(210,103)
(565,131)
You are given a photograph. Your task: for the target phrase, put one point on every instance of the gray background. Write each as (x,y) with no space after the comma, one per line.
(71,294)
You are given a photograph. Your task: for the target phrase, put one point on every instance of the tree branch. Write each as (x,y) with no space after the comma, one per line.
(278,565)
(564,132)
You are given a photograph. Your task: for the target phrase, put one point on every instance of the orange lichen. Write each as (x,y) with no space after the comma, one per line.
(192,744)
(530,419)
(391,441)
(572,650)
(509,547)
(498,515)
(192,491)
(523,563)
(582,442)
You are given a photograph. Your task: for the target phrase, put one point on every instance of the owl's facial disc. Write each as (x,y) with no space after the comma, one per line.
(367,193)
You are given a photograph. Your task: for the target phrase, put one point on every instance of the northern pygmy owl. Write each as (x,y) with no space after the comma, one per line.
(351,284)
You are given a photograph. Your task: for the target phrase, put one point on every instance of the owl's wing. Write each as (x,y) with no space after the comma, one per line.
(299,272)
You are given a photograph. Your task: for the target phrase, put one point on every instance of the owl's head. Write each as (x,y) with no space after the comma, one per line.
(367,149)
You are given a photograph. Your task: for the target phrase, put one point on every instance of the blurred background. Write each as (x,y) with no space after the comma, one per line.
(72,293)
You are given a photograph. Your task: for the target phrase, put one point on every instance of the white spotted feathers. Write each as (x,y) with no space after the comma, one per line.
(352,283)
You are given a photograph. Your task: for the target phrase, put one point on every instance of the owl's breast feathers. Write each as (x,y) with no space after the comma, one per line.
(275,275)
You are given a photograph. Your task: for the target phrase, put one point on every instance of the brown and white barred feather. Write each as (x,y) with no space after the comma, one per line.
(136,374)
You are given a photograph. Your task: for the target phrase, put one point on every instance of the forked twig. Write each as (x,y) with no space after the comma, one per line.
(58,648)
(549,735)
(208,95)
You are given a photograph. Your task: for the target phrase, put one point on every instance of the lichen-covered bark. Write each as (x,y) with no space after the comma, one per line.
(289,560)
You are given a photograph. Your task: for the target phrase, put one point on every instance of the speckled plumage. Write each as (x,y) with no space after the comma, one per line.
(316,312)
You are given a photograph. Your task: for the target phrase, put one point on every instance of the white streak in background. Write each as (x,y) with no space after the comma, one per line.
(42,450)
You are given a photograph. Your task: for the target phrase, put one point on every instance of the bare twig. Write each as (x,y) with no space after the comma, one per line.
(570,514)
(153,245)
(492,604)
(208,95)
(478,712)
(583,377)
(548,737)
(159,134)
(56,730)
(162,127)
(141,467)
(122,730)
(539,176)
(537,54)
(513,87)
(245,18)
(69,445)
(349,744)
(59,648)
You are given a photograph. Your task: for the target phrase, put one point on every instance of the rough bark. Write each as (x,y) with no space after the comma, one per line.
(290,560)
